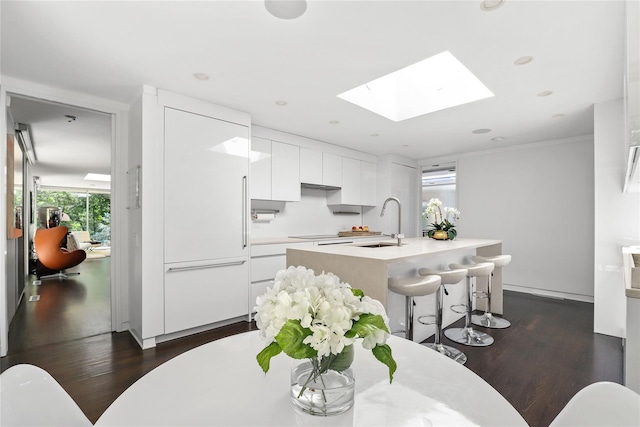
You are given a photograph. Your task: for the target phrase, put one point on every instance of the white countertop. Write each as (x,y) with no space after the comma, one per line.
(220,383)
(280,239)
(411,248)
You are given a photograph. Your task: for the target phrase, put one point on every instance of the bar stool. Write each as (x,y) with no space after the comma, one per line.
(468,335)
(413,287)
(447,277)
(488,320)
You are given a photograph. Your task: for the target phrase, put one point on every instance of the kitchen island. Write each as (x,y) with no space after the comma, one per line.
(367,267)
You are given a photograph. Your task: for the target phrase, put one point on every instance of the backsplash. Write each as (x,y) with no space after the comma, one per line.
(310,215)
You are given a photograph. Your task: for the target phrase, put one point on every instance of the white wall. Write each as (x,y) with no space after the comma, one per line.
(538,199)
(617,217)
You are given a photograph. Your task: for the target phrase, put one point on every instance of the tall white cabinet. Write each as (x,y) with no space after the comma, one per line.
(206,163)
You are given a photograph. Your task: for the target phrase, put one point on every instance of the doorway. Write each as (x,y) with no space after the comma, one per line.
(68,143)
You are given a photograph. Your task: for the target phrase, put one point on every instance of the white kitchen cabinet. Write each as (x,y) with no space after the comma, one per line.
(266,261)
(319,168)
(285,172)
(331,170)
(276,173)
(202,293)
(358,184)
(310,166)
(260,187)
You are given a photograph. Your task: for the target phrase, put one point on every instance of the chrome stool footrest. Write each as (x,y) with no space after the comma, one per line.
(425,316)
(459,308)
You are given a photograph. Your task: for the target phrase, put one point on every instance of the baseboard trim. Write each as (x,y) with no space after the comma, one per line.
(548,294)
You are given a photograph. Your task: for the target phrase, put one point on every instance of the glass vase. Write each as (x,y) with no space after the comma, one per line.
(321,391)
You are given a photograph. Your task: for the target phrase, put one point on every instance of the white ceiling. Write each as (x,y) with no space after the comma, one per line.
(110,49)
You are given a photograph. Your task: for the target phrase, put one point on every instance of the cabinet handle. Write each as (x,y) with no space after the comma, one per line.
(199,267)
(244,212)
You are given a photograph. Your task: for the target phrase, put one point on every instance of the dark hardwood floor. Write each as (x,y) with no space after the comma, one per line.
(538,364)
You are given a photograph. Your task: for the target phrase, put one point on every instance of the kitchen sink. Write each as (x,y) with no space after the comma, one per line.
(380,245)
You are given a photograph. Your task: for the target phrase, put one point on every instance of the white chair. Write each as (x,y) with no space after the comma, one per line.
(447,277)
(412,287)
(488,319)
(601,404)
(29,396)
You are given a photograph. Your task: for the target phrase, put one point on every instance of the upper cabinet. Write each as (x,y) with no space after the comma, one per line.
(318,168)
(358,184)
(275,170)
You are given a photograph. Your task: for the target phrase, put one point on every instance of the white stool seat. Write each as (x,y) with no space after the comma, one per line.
(414,286)
(447,277)
(498,260)
(475,270)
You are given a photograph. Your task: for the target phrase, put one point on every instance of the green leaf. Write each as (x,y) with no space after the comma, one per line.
(383,354)
(365,324)
(290,340)
(264,357)
(341,361)
(430,233)
(357,292)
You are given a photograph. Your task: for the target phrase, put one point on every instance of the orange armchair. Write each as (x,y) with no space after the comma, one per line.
(47,245)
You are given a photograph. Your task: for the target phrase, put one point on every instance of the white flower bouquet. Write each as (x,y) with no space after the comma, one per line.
(319,318)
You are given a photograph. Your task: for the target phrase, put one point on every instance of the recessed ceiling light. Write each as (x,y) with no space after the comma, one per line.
(404,146)
(375,134)
(489,5)
(201,76)
(497,139)
(286,9)
(281,103)
(334,122)
(479,131)
(523,60)
(557,116)
(97,177)
(545,93)
(432,84)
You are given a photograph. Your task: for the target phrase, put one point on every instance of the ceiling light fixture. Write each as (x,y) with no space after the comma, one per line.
(497,139)
(490,5)
(430,85)
(374,135)
(481,131)
(523,60)
(281,103)
(201,76)
(334,122)
(286,9)
(545,93)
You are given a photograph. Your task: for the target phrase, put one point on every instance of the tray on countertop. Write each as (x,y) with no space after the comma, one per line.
(358,233)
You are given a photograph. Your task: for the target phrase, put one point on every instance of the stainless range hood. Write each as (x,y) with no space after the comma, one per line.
(319,186)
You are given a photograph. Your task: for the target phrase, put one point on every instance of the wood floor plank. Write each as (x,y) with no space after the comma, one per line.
(546,356)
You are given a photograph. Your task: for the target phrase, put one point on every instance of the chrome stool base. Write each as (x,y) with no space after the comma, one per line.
(468,336)
(450,352)
(488,320)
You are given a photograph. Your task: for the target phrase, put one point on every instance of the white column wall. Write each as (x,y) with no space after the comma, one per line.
(538,200)
(617,218)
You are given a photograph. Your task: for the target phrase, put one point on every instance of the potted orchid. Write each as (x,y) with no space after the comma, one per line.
(318,319)
(442,224)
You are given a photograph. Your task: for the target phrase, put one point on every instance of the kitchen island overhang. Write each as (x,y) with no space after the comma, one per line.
(368,268)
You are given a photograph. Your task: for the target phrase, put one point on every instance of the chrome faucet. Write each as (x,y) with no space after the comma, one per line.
(398,236)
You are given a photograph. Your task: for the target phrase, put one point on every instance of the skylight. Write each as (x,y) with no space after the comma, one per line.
(432,84)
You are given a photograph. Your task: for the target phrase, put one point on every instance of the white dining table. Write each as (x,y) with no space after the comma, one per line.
(221,384)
